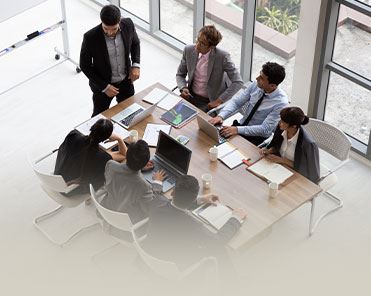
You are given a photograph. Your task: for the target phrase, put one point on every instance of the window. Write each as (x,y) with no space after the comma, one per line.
(276,27)
(227,16)
(176,19)
(348,107)
(138,8)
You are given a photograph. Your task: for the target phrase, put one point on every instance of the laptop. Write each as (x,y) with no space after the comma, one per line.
(209,129)
(133,114)
(172,157)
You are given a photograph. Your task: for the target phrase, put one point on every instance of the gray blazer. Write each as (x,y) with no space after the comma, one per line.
(224,80)
(127,191)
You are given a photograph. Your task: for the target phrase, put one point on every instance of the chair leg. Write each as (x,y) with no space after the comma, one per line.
(50,214)
(339,204)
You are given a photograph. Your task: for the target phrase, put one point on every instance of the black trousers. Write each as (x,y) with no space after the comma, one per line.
(102,102)
(199,101)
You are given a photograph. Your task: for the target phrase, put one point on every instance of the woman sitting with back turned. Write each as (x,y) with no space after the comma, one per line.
(80,161)
(293,146)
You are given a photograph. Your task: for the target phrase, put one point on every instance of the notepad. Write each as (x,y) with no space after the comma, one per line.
(152,131)
(169,101)
(270,171)
(230,155)
(155,96)
(215,215)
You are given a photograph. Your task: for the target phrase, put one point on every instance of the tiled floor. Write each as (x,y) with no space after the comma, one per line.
(35,117)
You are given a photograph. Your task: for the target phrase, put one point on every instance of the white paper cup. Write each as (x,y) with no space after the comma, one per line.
(206,180)
(213,153)
(273,189)
(133,136)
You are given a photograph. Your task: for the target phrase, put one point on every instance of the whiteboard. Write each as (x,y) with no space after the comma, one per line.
(9,8)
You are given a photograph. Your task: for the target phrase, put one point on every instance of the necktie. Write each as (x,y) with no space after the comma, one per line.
(247,120)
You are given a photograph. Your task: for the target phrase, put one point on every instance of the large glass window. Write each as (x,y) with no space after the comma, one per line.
(348,107)
(353,41)
(138,8)
(275,36)
(227,16)
(176,19)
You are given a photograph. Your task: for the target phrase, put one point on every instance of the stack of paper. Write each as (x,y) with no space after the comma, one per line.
(119,131)
(271,171)
(155,96)
(229,155)
(152,131)
(84,127)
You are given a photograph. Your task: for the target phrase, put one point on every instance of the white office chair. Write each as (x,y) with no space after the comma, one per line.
(54,186)
(169,270)
(118,220)
(333,141)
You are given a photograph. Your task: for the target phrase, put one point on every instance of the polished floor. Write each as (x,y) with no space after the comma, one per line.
(34,118)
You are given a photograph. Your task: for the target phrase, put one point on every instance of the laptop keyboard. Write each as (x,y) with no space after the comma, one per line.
(221,139)
(170,177)
(126,121)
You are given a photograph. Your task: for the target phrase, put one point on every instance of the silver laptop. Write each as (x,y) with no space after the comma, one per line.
(209,129)
(172,157)
(133,114)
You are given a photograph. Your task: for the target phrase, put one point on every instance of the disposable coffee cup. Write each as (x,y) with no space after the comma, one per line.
(213,154)
(206,180)
(273,189)
(133,136)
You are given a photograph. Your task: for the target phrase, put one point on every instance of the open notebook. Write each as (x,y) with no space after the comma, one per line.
(164,99)
(230,155)
(214,215)
(273,172)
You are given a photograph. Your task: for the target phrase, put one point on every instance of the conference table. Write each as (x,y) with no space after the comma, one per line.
(237,188)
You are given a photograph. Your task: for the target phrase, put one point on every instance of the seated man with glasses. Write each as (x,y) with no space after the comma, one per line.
(212,76)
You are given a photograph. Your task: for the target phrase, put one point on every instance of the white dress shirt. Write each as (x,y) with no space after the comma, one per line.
(288,146)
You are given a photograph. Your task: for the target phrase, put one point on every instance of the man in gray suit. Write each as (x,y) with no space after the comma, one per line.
(212,76)
(127,190)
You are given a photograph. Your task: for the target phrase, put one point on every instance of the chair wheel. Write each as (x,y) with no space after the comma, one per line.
(78,70)
(57,56)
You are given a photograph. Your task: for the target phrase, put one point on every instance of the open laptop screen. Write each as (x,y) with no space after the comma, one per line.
(174,153)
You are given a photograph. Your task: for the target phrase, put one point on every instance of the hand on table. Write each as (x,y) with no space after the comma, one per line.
(228,131)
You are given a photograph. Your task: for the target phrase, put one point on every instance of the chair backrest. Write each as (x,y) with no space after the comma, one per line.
(43,167)
(165,269)
(117,219)
(329,138)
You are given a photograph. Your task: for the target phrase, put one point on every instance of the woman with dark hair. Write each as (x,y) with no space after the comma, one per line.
(293,146)
(80,161)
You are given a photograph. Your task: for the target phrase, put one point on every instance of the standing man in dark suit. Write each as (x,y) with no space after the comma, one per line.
(212,76)
(110,57)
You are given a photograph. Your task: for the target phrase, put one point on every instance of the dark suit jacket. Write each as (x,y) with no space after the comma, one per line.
(306,158)
(176,236)
(94,59)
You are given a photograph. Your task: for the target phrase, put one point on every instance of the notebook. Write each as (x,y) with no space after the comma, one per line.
(152,131)
(179,115)
(271,171)
(164,100)
(215,215)
(230,155)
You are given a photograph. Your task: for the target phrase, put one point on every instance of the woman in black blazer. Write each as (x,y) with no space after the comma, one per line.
(293,146)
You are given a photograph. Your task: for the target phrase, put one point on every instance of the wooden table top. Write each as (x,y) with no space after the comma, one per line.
(237,188)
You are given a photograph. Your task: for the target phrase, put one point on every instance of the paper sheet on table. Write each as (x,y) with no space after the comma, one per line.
(155,96)
(152,131)
(229,120)
(169,102)
(84,127)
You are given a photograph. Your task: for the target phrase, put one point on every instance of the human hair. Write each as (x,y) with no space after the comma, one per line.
(137,155)
(212,35)
(185,191)
(294,116)
(275,72)
(99,132)
(110,15)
